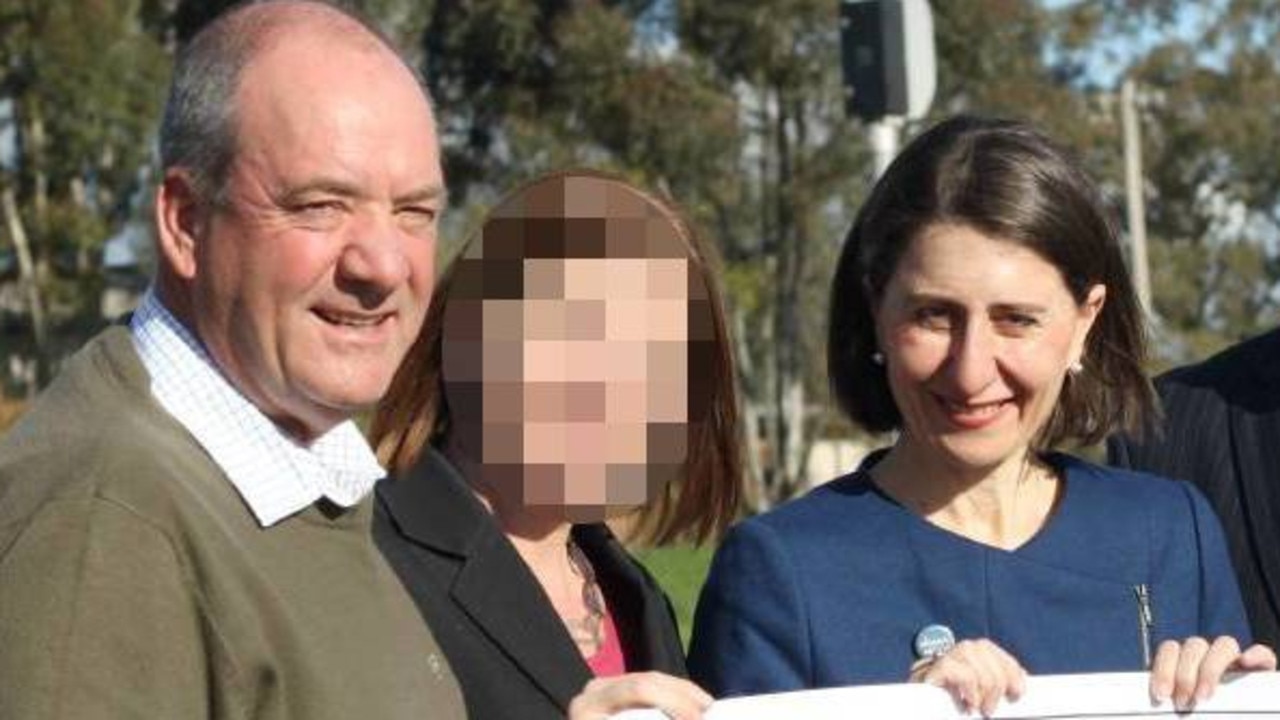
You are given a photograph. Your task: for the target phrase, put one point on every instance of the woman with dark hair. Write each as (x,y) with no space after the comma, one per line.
(574,365)
(982,311)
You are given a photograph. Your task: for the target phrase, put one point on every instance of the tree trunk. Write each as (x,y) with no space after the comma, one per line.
(27,278)
(80,199)
(755,498)
(788,427)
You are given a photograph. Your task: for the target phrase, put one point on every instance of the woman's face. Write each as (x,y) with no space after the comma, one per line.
(583,381)
(978,335)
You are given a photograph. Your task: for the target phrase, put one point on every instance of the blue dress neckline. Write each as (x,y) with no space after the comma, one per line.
(1059,462)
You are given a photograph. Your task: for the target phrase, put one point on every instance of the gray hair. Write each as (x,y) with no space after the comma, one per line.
(198,130)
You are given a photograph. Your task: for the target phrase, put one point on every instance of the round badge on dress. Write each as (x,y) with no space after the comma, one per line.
(933,640)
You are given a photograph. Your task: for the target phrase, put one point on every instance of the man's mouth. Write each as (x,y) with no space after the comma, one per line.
(350,319)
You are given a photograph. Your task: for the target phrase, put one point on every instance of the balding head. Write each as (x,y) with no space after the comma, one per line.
(296,219)
(198,131)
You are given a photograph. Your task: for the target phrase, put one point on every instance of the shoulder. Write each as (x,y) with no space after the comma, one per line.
(96,434)
(1120,484)
(833,501)
(430,505)
(847,513)
(1235,374)
(1136,524)
(1118,495)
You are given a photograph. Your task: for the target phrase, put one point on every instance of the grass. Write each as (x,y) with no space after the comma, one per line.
(681,570)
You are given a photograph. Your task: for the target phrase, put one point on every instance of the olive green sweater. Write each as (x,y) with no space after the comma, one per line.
(134,582)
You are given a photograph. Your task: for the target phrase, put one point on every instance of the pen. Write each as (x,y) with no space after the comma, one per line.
(1145,621)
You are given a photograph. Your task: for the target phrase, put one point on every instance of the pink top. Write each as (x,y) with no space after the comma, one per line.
(608,660)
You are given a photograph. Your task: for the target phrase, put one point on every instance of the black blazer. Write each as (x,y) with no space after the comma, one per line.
(508,648)
(1222,432)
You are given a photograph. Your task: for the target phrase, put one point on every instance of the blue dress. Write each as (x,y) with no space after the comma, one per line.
(831,589)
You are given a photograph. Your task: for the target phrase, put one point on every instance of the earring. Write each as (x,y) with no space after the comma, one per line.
(877,357)
(1075,368)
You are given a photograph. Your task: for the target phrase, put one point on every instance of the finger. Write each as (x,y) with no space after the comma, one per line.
(919,669)
(625,695)
(985,679)
(1163,667)
(1187,674)
(678,698)
(1015,675)
(1222,654)
(979,676)
(1003,674)
(1256,658)
(602,697)
(954,675)
(991,681)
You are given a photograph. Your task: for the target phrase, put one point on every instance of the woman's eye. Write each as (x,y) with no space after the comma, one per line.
(1017,322)
(933,318)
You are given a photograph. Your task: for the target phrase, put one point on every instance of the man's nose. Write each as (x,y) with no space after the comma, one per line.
(373,261)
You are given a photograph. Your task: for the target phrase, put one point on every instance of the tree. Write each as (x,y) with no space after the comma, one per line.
(82,82)
(1211,118)
(801,167)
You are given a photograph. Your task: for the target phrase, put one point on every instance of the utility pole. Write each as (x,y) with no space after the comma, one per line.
(1134,199)
(884,136)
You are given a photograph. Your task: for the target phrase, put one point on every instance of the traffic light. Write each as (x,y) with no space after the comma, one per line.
(888,57)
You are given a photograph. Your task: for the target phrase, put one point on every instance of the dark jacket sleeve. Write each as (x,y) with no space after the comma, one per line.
(1192,443)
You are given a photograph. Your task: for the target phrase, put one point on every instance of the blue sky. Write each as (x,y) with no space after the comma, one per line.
(1107,62)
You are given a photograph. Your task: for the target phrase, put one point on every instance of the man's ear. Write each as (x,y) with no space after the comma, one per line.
(180,223)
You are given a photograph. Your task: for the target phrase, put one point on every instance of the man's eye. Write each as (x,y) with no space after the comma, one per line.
(319,208)
(418,216)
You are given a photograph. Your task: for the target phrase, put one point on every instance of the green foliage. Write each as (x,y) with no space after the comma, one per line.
(1211,115)
(1209,80)
(82,81)
(681,570)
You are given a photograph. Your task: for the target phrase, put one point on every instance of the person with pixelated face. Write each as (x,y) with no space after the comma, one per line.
(574,366)
(574,334)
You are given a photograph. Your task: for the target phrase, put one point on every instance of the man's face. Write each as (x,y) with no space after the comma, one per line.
(312,278)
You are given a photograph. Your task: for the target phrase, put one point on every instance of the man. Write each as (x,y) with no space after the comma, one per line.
(184,515)
(1222,432)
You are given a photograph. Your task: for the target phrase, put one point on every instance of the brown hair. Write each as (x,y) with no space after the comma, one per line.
(415,411)
(1006,180)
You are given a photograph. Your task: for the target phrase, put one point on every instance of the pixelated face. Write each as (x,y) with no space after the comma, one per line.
(569,377)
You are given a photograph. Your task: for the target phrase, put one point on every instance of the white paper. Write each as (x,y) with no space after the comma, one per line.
(1117,696)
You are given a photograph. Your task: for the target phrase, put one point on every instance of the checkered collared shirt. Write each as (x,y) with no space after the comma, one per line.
(275,474)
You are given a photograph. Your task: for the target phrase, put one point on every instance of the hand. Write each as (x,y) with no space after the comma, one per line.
(1189,671)
(678,699)
(977,673)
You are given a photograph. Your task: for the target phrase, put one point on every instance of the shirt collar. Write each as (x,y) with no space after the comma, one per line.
(275,474)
